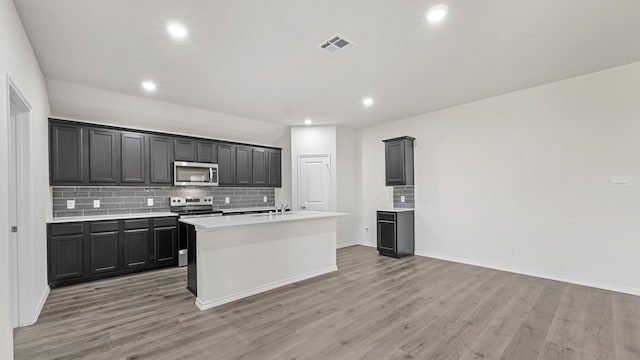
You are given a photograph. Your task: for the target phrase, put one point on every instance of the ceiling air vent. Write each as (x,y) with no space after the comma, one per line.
(336,45)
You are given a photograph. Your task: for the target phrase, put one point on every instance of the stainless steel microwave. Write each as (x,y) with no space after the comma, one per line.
(195,174)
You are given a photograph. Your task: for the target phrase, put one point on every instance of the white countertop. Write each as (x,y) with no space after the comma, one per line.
(211,223)
(266,208)
(396,209)
(58,220)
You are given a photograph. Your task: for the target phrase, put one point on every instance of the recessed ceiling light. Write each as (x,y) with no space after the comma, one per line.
(437,13)
(308,122)
(367,101)
(178,31)
(149,86)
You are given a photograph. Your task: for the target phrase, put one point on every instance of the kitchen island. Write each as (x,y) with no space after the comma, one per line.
(232,257)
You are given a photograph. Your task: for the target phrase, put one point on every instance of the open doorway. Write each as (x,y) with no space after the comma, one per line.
(18,136)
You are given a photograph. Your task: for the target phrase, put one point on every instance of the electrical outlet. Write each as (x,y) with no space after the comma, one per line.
(150,202)
(71,204)
(96,204)
(264,199)
(227,200)
(402,199)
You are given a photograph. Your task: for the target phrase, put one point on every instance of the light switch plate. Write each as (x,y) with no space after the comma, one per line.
(402,199)
(150,202)
(227,200)
(264,199)
(96,204)
(71,204)
(620,180)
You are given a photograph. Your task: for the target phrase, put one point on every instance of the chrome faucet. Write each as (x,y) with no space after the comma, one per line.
(282,208)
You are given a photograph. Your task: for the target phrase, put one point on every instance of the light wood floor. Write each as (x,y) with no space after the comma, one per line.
(372,308)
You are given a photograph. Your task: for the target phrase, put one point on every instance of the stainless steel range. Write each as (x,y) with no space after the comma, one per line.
(190,207)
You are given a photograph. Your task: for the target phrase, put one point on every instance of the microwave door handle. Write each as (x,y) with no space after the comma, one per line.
(210,175)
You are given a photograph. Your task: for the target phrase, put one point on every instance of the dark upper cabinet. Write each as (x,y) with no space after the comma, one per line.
(160,160)
(89,154)
(103,156)
(260,172)
(226,164)
(66,154)
(274,167)
(206,152)
(244,166)
(165,241)
(399,161)
(133,154)
(185,150)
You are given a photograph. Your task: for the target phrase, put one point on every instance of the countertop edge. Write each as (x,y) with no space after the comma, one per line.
(69,219)
(201,228)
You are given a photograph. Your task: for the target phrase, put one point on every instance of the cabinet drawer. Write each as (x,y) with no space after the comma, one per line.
(67,229)
(389,216)
(136,224)
(170,221)
(103,226)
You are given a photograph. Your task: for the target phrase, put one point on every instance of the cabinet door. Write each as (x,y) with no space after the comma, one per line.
(185,150)
(66,257)
(226,164)
(165,241)
(386,235)
(275,170)
(395,163)
(66,154)
(103,252)
(259,172)
(133,164)
(243,165)
(103,156)
(160,160)
(136,248)
(206,152)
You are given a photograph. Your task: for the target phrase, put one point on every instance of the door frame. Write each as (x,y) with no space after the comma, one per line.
(300,157)
(19,148)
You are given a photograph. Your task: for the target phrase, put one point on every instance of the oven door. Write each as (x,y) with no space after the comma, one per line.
(195,174)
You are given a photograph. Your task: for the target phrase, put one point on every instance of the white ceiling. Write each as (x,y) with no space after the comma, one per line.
(260,59)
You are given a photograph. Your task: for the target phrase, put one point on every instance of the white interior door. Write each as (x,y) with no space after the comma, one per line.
(19,199)
(314,182)
(13,212)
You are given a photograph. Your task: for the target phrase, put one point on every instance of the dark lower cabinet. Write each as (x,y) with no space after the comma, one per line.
(104,252)
(395,232)
(86,251)
(165,245)
(66,257)
(135,244)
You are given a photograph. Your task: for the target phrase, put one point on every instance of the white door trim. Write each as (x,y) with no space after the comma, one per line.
(300,157)
(19,124)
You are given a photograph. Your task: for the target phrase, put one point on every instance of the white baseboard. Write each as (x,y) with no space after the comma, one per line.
(344,245)
(36,313)
(616,288)
(205,305)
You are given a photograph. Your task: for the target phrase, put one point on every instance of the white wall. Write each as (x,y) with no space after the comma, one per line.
(528,169)
(348,184)
(18,61)
(341,144)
